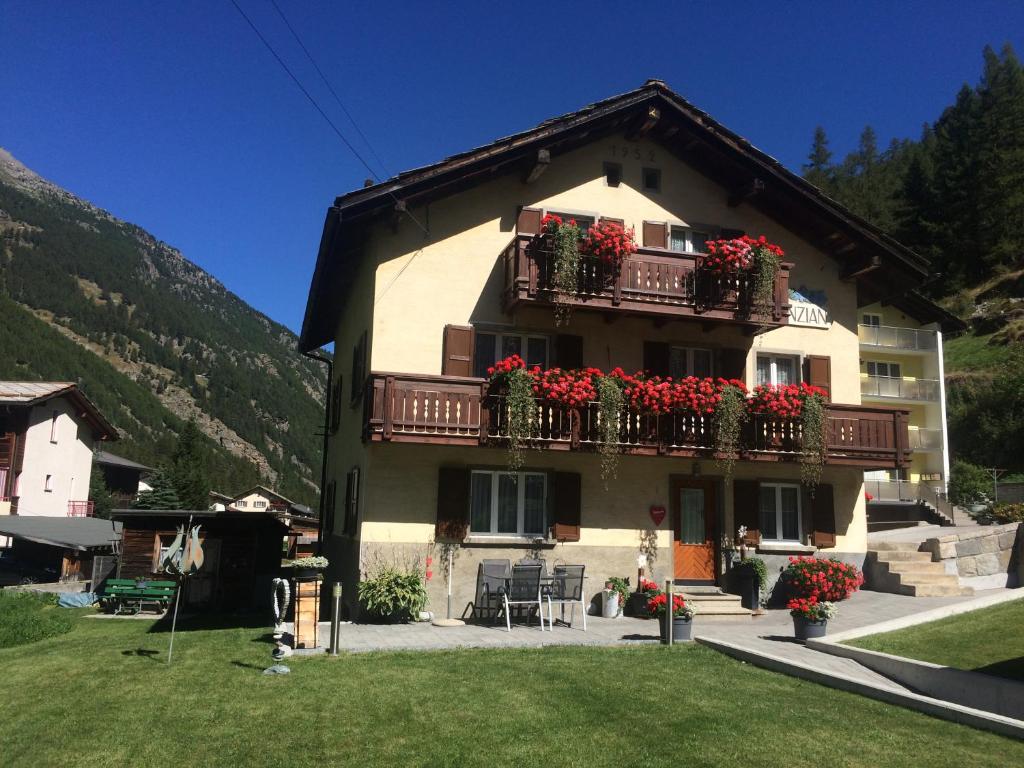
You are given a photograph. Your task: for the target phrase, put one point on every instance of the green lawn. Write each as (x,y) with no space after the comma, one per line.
(990,640)
(102,696)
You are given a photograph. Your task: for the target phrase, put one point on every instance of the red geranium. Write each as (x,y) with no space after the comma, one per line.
(658,606)
(823,580)
(567,388)
(728,257)
(610,242)
(784,401)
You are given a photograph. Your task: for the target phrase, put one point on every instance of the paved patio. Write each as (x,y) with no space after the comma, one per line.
(774,628)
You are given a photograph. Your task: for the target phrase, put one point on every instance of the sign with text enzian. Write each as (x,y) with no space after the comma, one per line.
(808,313)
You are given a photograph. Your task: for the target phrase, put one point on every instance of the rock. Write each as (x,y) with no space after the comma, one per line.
(988,564)
(277,669)
(968,548)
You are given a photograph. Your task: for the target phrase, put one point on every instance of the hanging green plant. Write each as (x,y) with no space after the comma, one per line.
(609,405)
(812,458)
(565,240)
(510,378)
(764,270)
(730,413)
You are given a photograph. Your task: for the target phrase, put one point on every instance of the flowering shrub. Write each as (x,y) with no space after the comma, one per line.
(648,586)
(824,580)
(811,608)
(567,388)
(729,257)
(511,375)
(609,242)
(658,606)
(551,223)
(565,244)
(784,401)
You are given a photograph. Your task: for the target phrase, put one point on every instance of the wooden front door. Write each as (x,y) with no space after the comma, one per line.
(694,522)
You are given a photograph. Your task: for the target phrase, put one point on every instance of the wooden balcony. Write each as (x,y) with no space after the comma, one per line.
(448,410)
(652,282)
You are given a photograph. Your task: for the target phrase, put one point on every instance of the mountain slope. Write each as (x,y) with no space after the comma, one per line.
(154,319)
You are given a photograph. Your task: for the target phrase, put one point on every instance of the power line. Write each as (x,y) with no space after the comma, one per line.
(327,83)
(323,114)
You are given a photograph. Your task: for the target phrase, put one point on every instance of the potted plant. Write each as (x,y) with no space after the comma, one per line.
(645,590)
(609,242)
(810,617)
(393,595)
(682,617)
(307,568)
(828,580)
(614,597)
(752,582)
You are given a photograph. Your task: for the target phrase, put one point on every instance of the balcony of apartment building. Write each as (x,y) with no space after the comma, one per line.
(883,381)
(452,410)
(661,283)
(891,339)
(80,509)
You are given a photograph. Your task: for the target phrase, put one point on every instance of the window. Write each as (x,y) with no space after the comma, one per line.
(687,361)
(351,501)
(240,503)
(777,370)
(875,321)
(508,503)
(492,347)
(3,483)
(53,426)
(780,512)
(358,369)
(884,370)
(686,240)
(48,484)
(612,174)
(583,221)
(259,504)
(652,179)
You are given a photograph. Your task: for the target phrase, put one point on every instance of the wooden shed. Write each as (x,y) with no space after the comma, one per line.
(242,554)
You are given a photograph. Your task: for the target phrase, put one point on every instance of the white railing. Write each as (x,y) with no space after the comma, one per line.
(926,439)
(907,490)
(890,337)
(906,389)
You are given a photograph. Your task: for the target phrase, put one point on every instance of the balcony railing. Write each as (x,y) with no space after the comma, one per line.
(897,339)
(904,389)
(926,439)
(930,493)
(455,410)
(80,509)
(652,282)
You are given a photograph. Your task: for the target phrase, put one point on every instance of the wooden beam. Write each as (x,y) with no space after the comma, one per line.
(643,128)
(540,164)
(860,268)
(747,191)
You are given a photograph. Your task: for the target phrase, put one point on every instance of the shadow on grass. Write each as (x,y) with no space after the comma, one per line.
(142,653)
(1011,669)
(244,665)
(641,637)
(202,622)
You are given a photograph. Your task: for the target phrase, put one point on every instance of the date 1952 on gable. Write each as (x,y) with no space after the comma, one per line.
(632,152)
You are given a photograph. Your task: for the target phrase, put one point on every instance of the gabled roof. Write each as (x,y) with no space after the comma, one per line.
(81,533)
(262,489)
(108,459)
(25,394)
(881,265)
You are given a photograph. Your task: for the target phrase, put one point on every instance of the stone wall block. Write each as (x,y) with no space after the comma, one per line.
(968,548)
(947,550)
(988,564)
(1007,539)
(968,566)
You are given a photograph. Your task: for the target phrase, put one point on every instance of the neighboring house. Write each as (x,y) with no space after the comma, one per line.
(242,552)
(260,499)
(901,364)
(219,501)
(124,477)
(48,431)
(50,549)
(425,280)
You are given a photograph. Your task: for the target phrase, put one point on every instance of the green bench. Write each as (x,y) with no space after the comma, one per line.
(133,595)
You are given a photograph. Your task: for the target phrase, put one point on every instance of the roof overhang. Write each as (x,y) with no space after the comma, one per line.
(102,429)
(867,255)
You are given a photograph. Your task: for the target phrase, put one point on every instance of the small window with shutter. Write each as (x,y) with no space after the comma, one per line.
(490,347)
(358,369)
(688,240)
(335,404)
(651,179)
(613,174)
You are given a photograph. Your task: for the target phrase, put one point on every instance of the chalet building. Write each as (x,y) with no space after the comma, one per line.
(48,432)
(125,479)
(424,281)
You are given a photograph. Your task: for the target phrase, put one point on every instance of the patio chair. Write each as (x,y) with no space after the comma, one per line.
(567,589)
(491,576)
(523,590)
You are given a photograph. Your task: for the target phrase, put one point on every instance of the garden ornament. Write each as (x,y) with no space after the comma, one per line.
(282,599)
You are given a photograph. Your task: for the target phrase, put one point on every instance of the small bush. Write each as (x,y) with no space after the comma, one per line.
(968,483)
(27,617)
(393,593)
(1009,513)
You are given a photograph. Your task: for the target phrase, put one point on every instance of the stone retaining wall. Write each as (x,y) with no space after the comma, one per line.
(988,558)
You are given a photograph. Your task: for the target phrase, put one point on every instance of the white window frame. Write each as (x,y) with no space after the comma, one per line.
(259,505)
(520,503)
(687,237)
(48,484)
(53,426)
(774,357)
(524,345)
(591,216)
(892,370)
(778,512)
(689,358)
(871,319)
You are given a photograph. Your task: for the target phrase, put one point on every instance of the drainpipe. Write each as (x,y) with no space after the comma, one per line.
(326,435)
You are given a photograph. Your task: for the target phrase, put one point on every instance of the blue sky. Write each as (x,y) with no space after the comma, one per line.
(172,115)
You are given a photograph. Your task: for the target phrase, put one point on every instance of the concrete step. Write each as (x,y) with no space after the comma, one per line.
(935,590)
(908,568)
(895,546)
(721,597)
(903,556)
(928,578)
(720,609)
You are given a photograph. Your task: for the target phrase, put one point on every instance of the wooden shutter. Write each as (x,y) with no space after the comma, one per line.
(329,499)
(458,351)
(452,504)
(606,220)
(818,371)
(351,501)
(746,509)
(335,404)
(655,234)
(358,368)
(568,351)
(528,222)
(731,363)
(822,514)
(565,506)
(656,356)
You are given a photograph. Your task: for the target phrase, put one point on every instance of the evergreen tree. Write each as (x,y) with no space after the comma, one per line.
(818,170)
(188,471)
(163,494)
(99,494)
